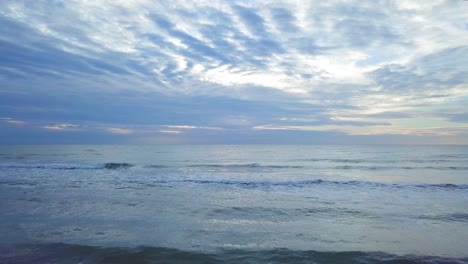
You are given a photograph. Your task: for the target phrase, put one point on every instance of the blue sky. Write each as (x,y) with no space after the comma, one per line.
(240,72)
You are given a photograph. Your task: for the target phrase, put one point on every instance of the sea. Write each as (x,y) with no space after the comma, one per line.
(233,204)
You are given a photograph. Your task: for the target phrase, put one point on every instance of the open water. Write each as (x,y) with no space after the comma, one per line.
(233,204)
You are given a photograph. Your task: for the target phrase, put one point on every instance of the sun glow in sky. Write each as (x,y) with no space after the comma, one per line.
(296,72)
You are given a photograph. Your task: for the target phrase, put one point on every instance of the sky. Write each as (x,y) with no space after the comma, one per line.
(233,72)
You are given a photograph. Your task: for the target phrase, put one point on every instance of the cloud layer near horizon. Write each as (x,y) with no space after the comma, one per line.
(234,71)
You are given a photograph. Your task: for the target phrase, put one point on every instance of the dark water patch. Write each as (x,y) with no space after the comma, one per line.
(114,165)
(63,253)
(18,184)
(444,186)
(156,166)
(14,157)
(455,217)
(36,200)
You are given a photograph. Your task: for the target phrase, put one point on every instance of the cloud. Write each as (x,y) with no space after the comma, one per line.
(170,131)
(11,121)
(62,127)
(216,69)
(119,131)
(193,127)
(372,130)
(16,122)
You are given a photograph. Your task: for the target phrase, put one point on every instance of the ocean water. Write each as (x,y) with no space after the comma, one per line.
(233,204)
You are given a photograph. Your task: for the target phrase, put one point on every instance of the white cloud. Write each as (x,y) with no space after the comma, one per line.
(373,130)
(16,122)
(12,121)
(192,127)
(62,127)
(170,131)
(181,126)
(119,131)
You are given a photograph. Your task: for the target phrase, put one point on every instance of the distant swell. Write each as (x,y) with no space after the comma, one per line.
(66,166)
(249,165)
(457,217)
(305,183)
(62,253)
(299,184)
(113,165)
(378,161)
(348,167)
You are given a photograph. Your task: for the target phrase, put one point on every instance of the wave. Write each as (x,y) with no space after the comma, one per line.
(270,184)
(66,166)
(302,183)
(114,165)
(64,253)
(348,167)
(125,165)
(378,161)
(278,214)
(248,165)
(155,166)
(454,217)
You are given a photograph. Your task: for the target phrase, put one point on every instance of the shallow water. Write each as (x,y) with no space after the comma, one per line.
(234,204)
